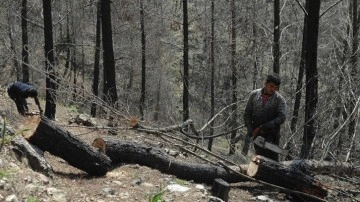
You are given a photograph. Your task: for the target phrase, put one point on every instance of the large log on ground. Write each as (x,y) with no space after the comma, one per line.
(77,153)
(34,156)
(323,167)
(273,172)
(130,152)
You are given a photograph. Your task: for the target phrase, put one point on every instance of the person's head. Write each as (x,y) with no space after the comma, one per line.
(272,83)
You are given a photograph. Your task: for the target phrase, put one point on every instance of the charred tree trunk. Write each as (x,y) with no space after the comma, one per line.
(284,176)
(128,152)
(77,153)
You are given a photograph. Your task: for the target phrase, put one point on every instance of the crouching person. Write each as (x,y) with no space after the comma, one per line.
(18,92)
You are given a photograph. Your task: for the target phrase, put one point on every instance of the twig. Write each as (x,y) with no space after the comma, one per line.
(330,8)
(302,7)
(188,143)
(212,119)
(194,154)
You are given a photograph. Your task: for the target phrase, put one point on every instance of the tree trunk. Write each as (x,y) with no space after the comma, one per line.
(129,152)
(186,62)
(143,60)
(276,43)
(95,84)
(284,176)
(212,80)
(25,43)
(354,77)
(311,98)
(77,153)
(299,85)
(109,87)
(50,106)
(233,78)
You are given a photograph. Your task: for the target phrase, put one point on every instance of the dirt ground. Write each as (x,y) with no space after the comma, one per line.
(128,182)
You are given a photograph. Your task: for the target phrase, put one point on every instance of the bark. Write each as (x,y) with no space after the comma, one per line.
(50,106)
(284,176)
(25,43)
(186,62)
(143,60)
(233,77)
(212,80)
(276,44)
(311,98)
(77,153)
(129,152)
(95,84)
(220,189)
(35,156)
(323,167)
(109,75)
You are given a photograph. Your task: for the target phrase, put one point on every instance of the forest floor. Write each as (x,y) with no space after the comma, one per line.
(128,182)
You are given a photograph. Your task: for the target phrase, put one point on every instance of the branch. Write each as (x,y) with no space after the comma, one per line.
(330,7)
(302,7)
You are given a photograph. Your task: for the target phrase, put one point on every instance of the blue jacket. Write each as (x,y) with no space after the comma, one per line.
(19,90)
(269,116)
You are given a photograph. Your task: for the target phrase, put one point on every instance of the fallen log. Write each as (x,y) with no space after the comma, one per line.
(34,156)
(270,171)
(323,167)
(130,152)
(77,153)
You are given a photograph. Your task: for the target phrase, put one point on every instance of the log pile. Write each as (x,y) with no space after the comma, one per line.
(106,153)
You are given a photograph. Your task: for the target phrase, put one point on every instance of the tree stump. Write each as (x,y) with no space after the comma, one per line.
(273,172)
(77,153)
(130,152)
(220,189)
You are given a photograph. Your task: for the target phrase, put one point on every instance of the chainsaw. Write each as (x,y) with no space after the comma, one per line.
(260,141)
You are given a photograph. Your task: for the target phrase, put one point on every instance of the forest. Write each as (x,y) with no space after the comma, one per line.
(167,61)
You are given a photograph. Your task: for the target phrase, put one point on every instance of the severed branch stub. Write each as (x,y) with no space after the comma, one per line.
(134,122)
(220,189)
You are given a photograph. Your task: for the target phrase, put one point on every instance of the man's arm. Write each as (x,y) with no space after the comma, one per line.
(38,104)
(248,115)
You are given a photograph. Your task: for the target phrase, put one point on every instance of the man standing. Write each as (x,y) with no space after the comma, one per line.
(264,113)
(18,92)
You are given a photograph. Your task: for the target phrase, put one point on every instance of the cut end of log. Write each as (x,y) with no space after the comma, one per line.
(253,167)
(134,122)
(100,144)
(31,123)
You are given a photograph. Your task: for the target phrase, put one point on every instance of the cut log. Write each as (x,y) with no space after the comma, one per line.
(323,167)
(77,153)
(273,172)
(130,152)
(34,156)
(220,189)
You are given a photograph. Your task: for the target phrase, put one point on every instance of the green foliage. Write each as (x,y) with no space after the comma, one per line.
(31,199)
(73,109)
(180,182)
(157,197)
